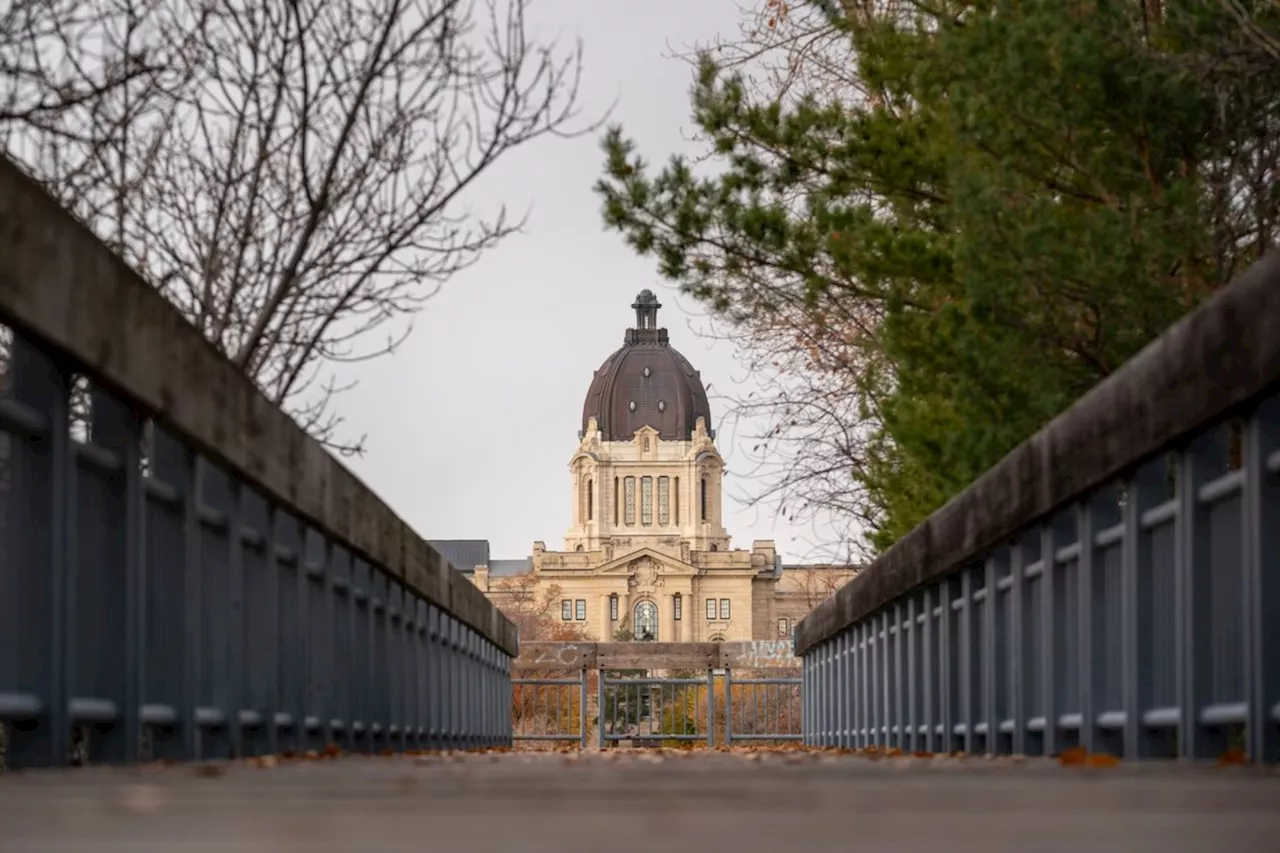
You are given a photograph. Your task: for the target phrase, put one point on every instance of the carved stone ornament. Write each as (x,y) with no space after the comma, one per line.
(645,573)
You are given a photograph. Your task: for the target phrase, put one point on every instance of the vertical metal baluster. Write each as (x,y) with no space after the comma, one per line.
(989,680)
(193,671)
(1192,564)
(1261,590)
(1051,657)
(967,675)
(912,717)
(1015,694)
(948,674)
(1143,492)
(929,668)
(118,429)
(901,715)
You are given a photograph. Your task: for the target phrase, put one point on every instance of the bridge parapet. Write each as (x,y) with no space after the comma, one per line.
(1113,584)
(194,566)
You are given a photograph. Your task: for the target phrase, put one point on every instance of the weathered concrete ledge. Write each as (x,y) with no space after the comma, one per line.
(61,285)
(1222,355)
(572,656)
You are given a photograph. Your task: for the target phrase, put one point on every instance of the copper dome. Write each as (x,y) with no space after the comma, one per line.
(646,383)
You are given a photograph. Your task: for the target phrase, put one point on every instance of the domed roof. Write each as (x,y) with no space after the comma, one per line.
(646,383)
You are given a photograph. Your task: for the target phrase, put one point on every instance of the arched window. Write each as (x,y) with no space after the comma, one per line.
(646,621)
(591,493)
(703,498)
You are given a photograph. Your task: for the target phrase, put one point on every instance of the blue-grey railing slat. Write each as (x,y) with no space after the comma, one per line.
(1128,603)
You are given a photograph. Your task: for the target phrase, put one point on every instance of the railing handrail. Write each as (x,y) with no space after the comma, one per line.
(1218,357)
(61,285)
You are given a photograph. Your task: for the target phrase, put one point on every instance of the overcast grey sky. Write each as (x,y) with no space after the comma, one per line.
(472,422)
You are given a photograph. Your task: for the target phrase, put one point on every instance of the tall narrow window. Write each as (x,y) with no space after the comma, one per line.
(591,496)
(566,610)
(615,500)
(580,608)
(677,606)
(724,609)
(613,607)
(703,498)
(646,501)
(629,500)
(664,501)
(676,497)
(784,630)
(711,609)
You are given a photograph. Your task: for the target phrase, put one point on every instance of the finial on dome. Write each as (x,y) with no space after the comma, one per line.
(646,306)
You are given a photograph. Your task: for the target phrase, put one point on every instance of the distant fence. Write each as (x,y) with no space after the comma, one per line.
(1113,584)
(656,694)
(190,575)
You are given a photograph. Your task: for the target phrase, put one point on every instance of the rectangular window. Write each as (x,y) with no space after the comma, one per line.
(676,500)
(580,608)
(704,498)
(664,501)
(613,607)
(711,610)
(591,499)
(629,500)
(724,609)
(646,501)
(566,610)
(678,603)
(615,500)
(783,628)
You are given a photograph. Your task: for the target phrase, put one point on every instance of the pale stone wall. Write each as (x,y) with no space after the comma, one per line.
(622,546)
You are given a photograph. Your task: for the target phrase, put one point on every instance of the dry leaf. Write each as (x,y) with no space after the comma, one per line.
(1233,755)
(1102,759)
(1072,756)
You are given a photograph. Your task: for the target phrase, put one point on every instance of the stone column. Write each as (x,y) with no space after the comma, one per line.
(666,618)
(606,624)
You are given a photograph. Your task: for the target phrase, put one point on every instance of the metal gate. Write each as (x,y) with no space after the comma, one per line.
(645,695)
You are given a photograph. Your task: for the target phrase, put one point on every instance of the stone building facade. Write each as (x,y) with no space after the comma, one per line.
(646,551)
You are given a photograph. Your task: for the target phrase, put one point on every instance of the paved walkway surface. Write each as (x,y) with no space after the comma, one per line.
(619,802)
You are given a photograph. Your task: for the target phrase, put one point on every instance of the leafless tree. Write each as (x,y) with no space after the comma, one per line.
(295,177)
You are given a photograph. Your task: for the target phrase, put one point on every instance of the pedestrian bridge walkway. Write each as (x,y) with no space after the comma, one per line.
(185,576)
(642,800)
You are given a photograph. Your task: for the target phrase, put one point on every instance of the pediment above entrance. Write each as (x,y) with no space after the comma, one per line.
(647,566)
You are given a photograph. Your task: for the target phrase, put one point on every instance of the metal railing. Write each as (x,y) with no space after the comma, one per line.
(656,694)
(550,709)
(183,572)
(762,708)
(1112,585)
